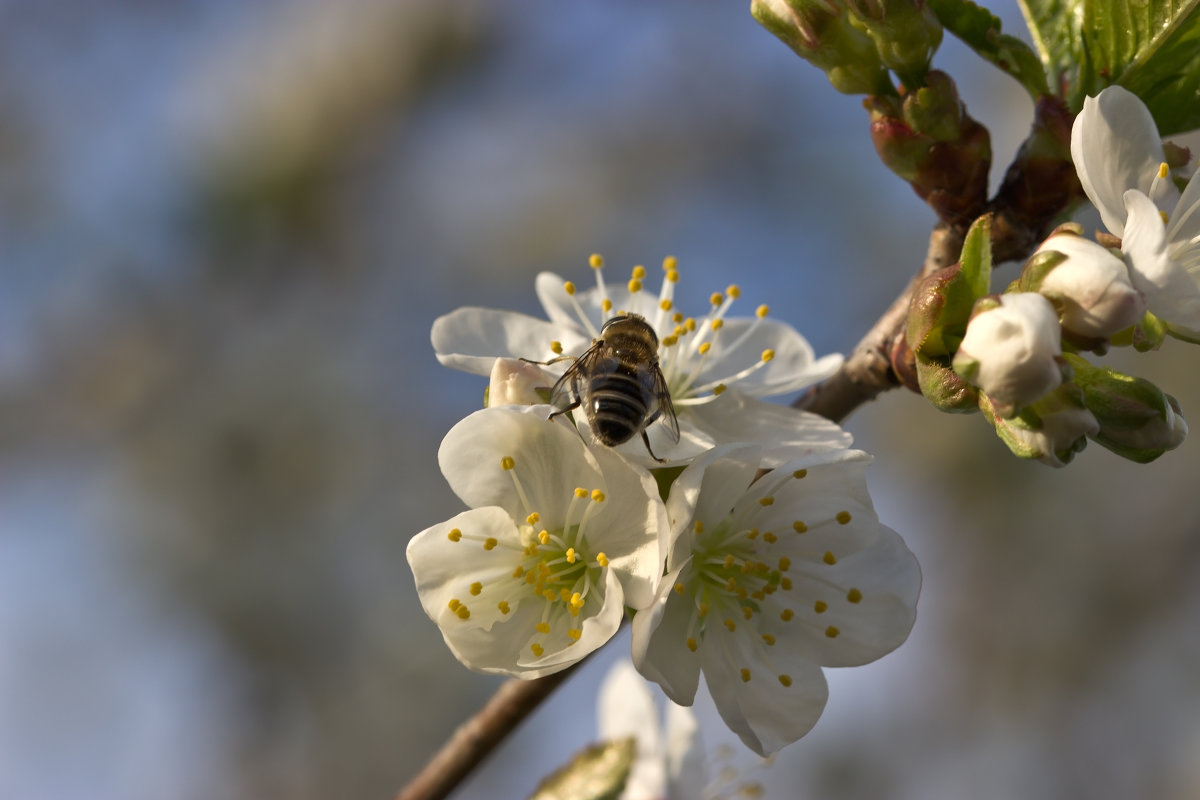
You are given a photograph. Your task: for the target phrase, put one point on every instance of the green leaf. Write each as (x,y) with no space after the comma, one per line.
(976,257)
(979,29)
(1148,46)
(597,773)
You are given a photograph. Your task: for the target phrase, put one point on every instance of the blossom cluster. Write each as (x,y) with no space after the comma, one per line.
(1021,353)
(746,546)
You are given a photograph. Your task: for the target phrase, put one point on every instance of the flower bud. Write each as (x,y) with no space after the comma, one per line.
(906,34)
(517,383)
(1011,350)
(1052,430)
(1137,420)
(1087,282)
(944,387)
(820,32)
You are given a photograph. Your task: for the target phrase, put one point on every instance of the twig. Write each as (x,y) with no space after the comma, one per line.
(479,735)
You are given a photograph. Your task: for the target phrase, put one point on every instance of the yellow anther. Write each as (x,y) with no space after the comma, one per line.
(767,355)
(597,496)
(570,554)
(670,340)
(503,606)
(463,612)
(766,501)
(574,633)
(537,649)
(751,534)
(574,611)
(745,675)
(533,518)
(670,263)
(580,492)
(747,613)
(1164,216)
(770,538)
(556,347)
(702,610)
(530,577)
(718,389)
(734,291)
(602,559)
(518,571)
(731,625)
(800,473)
(717,298)
(786,680)
(639,273)
(762,311)
(690,324)
(490,543)
(1163,170)
(785,584)
(634,285)
(787,614)
(550,595)
(476,588)
(454,604)
(665,304)
(455,535)
(544,536)
(730,585)
(829,558)
(698,526)
(606,304)
(569,287)
(704,348)
(672,276)
(679,588)
(507,463)
(820,606)
(799,527)
(832,632)
(692,644)
(843,517)
(564,594)
(785,564)
(577,600)
(595,261)
(854,596)
(717,324)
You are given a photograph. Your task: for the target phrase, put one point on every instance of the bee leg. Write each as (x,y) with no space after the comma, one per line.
(547,363)
(646,439)
(557,412)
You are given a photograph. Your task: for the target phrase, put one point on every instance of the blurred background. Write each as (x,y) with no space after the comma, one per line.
(225,231)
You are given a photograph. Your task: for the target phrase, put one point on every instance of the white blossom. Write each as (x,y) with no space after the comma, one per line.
(1092,286)
(557,541)
(716,366)
(1119,157)
(767,582)
(1010,350)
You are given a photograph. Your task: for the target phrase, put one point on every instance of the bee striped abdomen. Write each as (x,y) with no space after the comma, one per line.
(617,406)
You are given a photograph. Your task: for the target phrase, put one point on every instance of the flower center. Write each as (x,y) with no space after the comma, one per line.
(550,564)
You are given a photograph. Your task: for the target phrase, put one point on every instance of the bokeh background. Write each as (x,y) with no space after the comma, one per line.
(225,230)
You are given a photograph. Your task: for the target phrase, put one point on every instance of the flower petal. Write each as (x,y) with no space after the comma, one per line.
(1184,225)
(685,754)
(471,338)
(1171,293)
(659,650)
(783,431)
(1115,146)
(597,628)
(742,341)
(764,713)
(626,708)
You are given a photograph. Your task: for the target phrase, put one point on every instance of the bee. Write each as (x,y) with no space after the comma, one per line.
(619,384)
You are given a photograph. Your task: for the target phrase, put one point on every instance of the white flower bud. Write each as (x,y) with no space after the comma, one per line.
(515,383)
(1011,350)
(1093,286)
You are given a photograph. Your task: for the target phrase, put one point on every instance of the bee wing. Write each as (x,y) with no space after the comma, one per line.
(563,394)
(666,409)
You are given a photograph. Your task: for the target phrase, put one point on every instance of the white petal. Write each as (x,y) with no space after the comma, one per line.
(685,754)
(1171,293)
(784,432)
(1115,146)
(1185,226)
(660,644)
(627,708)
(765,714)
(792,368)
(706,490)
(597,629)
(560,310)
(472,338)
(1093,286)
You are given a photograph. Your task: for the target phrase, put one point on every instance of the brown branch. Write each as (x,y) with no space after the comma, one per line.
(867,372)
(479,735)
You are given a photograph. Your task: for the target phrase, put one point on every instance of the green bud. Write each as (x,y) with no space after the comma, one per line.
(1052,430)
(945,388)
(821,33)
(1041,183)
(906,34)
(1137,420)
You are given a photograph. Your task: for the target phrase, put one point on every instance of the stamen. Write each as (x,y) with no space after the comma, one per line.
(569,288)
